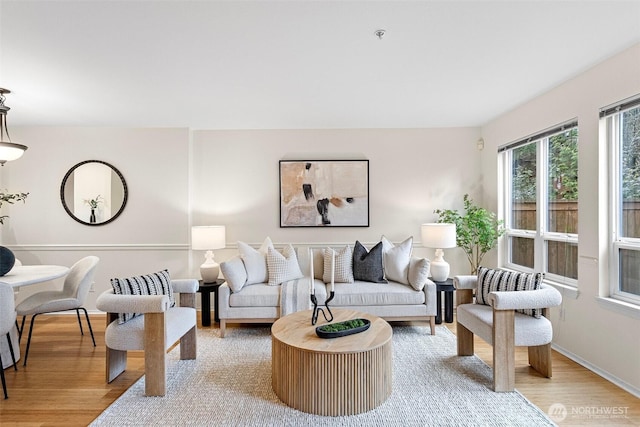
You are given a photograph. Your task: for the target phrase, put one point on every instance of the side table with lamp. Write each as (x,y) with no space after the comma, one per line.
(207,238)
(440,236)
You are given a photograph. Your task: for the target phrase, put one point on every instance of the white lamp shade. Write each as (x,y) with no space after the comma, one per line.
(207,237)
(438,235)
(10,151)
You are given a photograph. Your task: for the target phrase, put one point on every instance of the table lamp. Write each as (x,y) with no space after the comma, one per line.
(207,238)
(439,236)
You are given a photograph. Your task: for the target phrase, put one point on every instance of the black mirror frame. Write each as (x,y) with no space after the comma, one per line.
(124,200)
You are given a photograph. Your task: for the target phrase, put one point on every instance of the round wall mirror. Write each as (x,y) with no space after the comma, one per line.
(93,192)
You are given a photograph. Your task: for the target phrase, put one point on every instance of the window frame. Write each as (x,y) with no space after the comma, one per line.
(540,235)
(613,132)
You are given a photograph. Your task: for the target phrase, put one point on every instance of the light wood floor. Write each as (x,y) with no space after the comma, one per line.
(63,384)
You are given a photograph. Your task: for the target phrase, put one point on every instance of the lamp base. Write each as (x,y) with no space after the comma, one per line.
(439,268)
(210,273)
(209,270)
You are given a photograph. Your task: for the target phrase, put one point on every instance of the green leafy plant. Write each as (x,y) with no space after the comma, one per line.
(11,198)
(477,230)
(342,326)
(93,203)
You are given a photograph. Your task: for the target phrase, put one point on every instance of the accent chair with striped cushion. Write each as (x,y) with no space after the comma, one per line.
(498,317)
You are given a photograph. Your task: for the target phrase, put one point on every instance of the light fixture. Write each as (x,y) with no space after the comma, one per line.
(379,34)
(207,238)
(439,236)
(8,150)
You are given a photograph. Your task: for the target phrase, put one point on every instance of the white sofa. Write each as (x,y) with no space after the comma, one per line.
(261,302)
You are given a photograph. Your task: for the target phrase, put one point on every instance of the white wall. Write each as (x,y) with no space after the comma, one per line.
(151,233)
(599,336)
(177,178)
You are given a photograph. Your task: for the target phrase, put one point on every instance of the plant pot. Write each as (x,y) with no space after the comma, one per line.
(336,334)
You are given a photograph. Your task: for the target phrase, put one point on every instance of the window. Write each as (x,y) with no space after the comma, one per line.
(623,137)
(541,203)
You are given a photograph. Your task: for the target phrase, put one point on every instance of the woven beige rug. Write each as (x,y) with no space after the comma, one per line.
(230,385)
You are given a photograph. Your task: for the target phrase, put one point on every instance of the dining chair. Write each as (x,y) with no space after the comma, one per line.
(72,297)
(7,319)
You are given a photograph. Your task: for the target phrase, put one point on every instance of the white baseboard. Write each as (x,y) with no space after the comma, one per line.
(604,374)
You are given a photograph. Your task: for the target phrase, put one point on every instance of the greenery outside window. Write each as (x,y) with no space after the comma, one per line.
(623,137)
(541,203)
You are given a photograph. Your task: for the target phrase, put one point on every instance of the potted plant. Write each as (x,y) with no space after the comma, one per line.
(477,230)
(11,199)
(93,204)
(7,258)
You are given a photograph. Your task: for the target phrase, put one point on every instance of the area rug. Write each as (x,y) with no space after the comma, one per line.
(230,384)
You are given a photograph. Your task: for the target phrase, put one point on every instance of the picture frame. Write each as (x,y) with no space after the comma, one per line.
(324,193)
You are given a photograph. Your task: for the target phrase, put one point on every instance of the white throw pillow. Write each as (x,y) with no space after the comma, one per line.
(282,266)
(234,273)
(255,261)
(419,271)
(344,266)
(396,260)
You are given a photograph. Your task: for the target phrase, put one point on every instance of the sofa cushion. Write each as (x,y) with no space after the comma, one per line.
(490,280)
(396,260)
(148,284)
(343,272)
(256,295)
(419,271)
(255,261)
(234,273)
(282,266)
(367,265)
(361,293)
(318,263)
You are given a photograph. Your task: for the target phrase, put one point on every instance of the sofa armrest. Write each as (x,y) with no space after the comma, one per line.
(112,303)
(188,286)
(430,296)
(224,293)
(545,297)
(465,281)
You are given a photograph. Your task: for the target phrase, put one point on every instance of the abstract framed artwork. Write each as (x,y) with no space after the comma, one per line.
(324,193)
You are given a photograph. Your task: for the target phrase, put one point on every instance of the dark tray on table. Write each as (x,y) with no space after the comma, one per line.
(336,334)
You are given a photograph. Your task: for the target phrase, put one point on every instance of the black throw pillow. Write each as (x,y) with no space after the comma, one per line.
(367,265)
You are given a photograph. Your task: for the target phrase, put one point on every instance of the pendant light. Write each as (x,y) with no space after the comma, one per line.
(8,150)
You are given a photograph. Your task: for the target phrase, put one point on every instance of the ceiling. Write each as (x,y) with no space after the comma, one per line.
(296,64)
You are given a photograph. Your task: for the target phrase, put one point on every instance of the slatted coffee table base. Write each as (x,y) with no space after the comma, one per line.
(331,383)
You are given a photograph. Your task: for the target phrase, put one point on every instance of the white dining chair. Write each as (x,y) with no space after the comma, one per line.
(72,296)
(7,320)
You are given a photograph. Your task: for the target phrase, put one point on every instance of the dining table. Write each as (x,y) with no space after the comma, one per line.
(17,277)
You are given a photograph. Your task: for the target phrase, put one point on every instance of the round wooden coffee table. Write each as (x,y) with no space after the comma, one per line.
(340,376)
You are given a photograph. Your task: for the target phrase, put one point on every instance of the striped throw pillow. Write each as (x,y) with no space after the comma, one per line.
(149,284)
(490,280)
